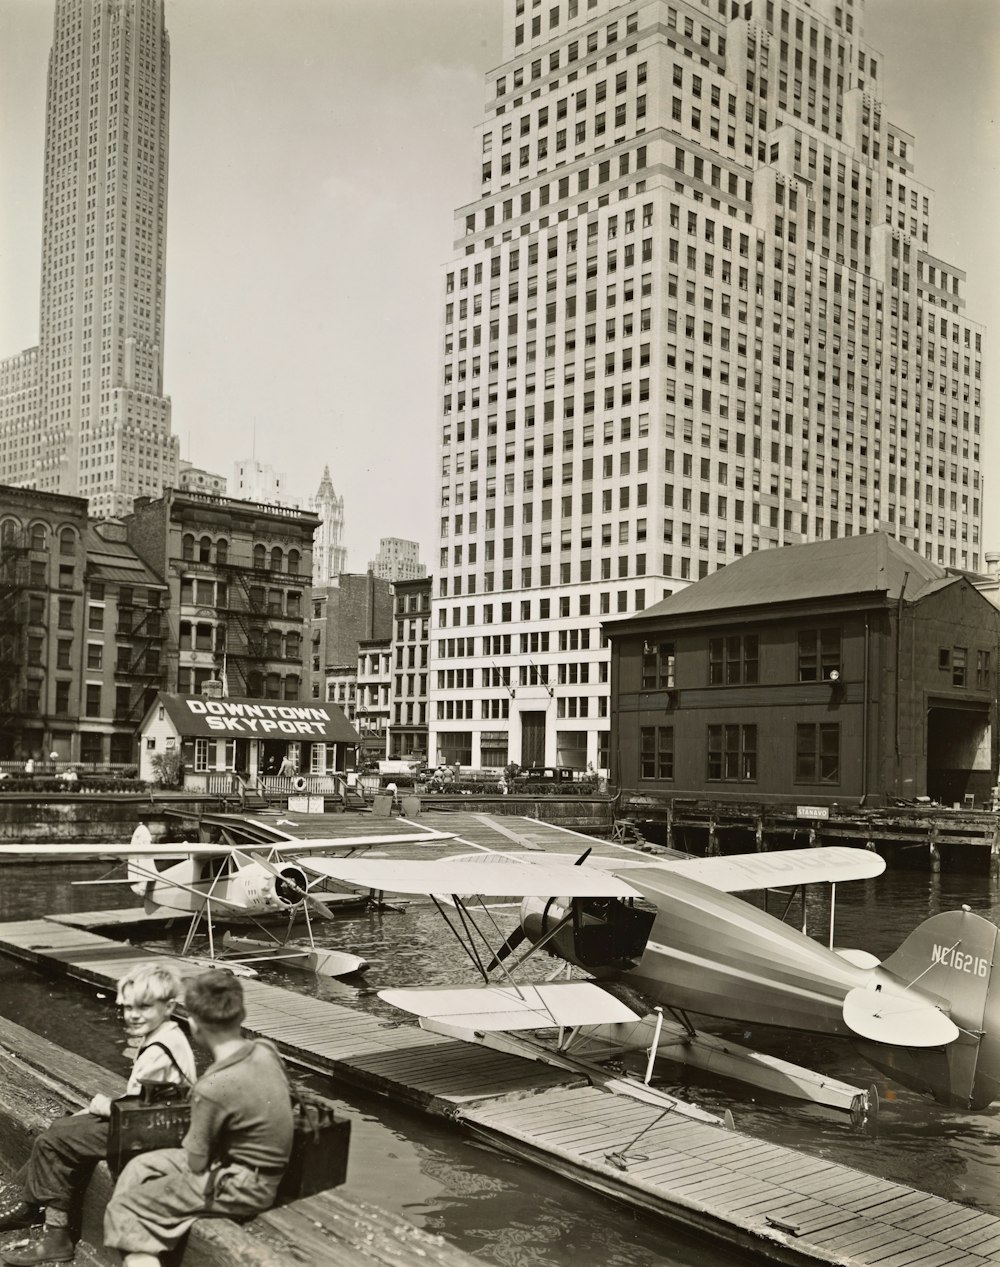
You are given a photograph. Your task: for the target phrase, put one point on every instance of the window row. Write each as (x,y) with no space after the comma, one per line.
(731,753)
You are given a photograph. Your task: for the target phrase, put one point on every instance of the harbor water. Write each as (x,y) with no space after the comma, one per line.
(517,1215)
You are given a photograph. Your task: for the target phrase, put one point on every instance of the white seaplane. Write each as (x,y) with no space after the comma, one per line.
(670,934)
(218,883)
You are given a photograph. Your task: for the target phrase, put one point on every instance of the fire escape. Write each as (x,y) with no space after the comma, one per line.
(13,634)
(244,644)
(141,665)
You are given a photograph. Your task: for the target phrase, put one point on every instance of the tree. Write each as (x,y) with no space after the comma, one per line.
(168,768)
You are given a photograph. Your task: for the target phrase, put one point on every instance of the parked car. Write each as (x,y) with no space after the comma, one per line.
(546,774)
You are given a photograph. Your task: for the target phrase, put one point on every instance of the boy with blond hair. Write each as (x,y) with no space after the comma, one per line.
(236,1150)
(63,1156)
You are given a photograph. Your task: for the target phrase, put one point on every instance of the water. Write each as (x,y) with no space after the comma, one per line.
(516,1215)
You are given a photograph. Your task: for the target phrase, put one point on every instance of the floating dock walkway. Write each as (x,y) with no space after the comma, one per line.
(776,1203)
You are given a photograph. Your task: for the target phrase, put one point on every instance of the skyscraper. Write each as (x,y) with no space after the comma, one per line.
(84,412)
(398,560)
(329,551)
(693,312)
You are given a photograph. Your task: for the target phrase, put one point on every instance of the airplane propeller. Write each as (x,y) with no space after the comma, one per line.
(289,885)
(507,949)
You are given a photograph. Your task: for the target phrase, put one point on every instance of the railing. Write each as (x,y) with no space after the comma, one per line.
(125,769)
(281,785)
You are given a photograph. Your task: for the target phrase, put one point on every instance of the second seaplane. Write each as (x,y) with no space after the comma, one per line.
(671,935)
(219,884)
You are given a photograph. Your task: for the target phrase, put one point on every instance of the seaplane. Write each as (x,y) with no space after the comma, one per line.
(672,936)
(224,883)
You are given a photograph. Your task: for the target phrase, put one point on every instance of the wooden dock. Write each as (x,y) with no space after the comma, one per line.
(39,1081)
(774,1202)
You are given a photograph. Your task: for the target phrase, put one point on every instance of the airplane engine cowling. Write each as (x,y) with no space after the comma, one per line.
(290,885)
(602,935)
(260,889)
(539,916)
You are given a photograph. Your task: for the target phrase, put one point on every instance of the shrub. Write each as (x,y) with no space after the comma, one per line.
(168,767)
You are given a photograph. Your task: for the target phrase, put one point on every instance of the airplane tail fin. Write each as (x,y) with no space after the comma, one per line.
(950,956)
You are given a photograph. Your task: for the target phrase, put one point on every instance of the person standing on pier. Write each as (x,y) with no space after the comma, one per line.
(63,1156)
(236,1149)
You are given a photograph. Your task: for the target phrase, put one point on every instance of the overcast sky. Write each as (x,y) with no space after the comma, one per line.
(318,150)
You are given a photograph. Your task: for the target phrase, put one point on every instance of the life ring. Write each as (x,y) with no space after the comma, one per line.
(299,784)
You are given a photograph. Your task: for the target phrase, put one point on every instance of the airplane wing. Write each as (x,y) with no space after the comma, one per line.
(827,864)
(508,1007)
(194,849)
(118,851)
(487,879)
(334,843)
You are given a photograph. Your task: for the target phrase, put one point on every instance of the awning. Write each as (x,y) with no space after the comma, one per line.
(200,716)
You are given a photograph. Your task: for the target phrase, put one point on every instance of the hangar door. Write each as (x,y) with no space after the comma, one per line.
(958,751)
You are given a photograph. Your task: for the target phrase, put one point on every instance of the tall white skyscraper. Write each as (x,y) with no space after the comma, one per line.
(693,312)
(329,551)
(84,412)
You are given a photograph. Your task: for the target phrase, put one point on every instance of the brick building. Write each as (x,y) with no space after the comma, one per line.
(846,671)
(356,607)
(410,654)
(239,575)
(82,629)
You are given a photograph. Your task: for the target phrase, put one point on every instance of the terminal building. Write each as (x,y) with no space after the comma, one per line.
(848,672)
(694,311)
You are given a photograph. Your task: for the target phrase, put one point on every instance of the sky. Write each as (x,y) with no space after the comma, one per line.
(318,151)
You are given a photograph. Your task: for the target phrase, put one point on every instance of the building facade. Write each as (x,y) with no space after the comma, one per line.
(398,560)
(852,671)
(197,480)
(373,684)
(84,413)
(410,655)
(354,609)
(694,311)
(82,629)
(255,481)
(329,551)
(239,576)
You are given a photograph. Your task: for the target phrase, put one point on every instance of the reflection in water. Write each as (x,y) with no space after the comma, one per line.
(517,1215)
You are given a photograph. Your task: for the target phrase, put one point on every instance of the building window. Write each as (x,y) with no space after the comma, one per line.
(656,752)
(733,659)
(201,754)
(93,704)
(62,697)
(983,669)
(95,618)
(95,655)
(817,753)
(819,654)
(732,754)
(657,666)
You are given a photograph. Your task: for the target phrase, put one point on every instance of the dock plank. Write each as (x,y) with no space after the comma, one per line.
(718,1181)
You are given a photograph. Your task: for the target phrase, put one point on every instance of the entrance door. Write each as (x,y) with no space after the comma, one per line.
(532,739)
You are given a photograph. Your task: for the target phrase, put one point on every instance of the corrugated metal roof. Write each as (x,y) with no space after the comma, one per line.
(110,560)
(867,564)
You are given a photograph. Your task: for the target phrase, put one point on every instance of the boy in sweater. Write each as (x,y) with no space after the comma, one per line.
(237,1147)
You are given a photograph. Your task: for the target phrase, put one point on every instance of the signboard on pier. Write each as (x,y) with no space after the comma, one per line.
(817,812)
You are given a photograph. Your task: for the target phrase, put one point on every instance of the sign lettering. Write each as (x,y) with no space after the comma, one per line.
(952,957)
